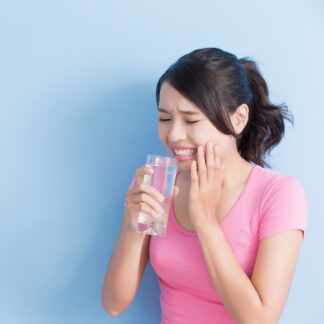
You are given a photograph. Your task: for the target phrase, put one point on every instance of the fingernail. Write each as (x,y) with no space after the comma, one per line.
(161,198)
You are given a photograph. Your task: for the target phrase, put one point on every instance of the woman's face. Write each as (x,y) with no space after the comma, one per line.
(187,130)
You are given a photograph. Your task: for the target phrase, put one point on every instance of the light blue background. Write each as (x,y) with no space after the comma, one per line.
(78,116)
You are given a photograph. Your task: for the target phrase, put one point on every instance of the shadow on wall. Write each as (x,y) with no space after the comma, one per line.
(100,143)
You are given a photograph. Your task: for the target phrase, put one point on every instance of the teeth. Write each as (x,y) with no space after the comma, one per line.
(185,152)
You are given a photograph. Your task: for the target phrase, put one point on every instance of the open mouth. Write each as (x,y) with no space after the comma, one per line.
(185,153)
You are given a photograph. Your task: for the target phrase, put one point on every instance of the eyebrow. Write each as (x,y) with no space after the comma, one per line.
(187,112)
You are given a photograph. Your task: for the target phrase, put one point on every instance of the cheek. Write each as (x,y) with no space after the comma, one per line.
(199,135)
(203,137)
(163,134)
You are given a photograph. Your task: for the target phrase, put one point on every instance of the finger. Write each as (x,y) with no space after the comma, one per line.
(150,190)
(202,171)
(210,161)
(148,210)
(148,200)
(194,176)
(218,164)
(141,172)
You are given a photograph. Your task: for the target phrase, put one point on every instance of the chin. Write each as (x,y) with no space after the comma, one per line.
(185,166)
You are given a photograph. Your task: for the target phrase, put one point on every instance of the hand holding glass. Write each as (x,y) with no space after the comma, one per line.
(163,179)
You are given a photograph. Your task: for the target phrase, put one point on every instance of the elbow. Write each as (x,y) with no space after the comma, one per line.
(262,317)
(113,308)
(259,321)
(112,313)
(107,305)
(115,304)
(265,321)
(109,310)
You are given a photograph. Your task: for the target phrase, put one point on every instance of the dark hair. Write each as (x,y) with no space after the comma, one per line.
(217,82)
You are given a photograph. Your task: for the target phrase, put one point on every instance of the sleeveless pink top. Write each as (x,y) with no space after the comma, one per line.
(270,203)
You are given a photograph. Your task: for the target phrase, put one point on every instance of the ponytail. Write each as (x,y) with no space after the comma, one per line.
(266,127)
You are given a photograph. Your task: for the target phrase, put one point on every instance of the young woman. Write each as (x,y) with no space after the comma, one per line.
(235,227)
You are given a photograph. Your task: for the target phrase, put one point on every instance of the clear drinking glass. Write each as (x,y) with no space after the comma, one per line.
(163,179)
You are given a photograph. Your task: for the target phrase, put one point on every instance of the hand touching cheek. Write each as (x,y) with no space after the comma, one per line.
(206,183)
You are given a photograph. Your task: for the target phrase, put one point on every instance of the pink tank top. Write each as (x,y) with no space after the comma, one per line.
(270,203)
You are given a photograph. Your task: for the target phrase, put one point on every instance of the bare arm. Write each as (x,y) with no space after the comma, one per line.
(125,269)
(131,252)
(261,299)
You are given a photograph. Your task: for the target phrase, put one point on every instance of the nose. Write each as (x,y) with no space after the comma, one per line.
(177,133)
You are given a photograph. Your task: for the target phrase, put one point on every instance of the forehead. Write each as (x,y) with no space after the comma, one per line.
(172,101)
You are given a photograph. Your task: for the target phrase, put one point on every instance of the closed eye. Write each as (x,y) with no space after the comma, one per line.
(187,121)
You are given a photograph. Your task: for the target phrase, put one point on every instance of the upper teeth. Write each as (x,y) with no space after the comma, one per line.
(185,152)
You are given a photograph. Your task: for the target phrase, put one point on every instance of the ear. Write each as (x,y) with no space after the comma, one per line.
(240,118)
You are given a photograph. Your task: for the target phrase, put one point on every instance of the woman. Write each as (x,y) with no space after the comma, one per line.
(235,228)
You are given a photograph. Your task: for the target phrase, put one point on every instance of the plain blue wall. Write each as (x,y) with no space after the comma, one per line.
(78,116)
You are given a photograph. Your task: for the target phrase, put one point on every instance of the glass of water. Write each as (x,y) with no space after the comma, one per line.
(163,179)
